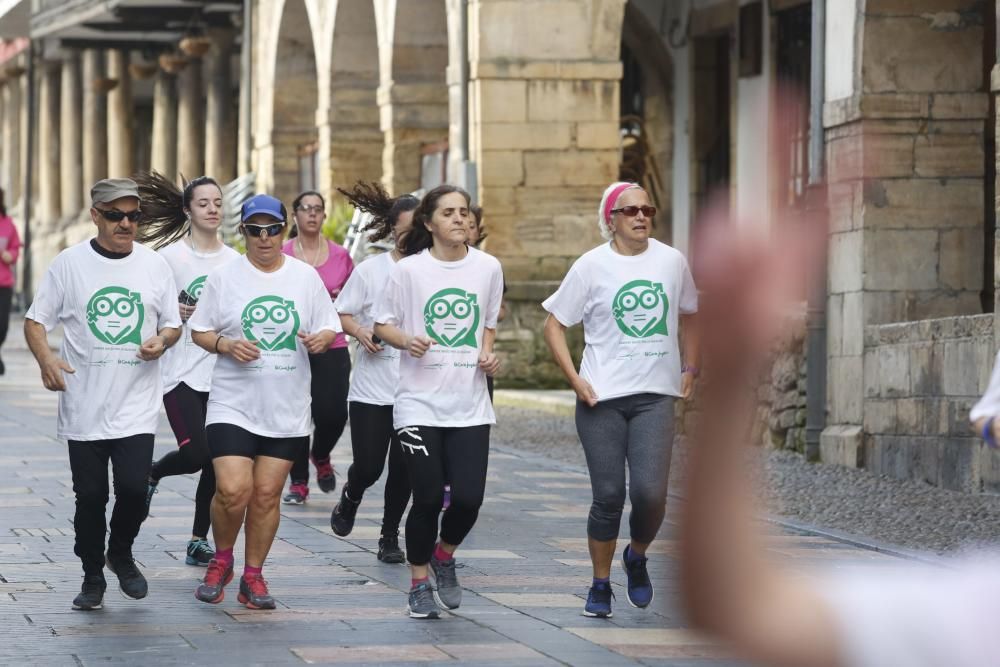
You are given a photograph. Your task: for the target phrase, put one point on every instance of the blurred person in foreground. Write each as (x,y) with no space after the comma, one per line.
(912,615)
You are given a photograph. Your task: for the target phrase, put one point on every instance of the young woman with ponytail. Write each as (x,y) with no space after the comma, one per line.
(183,224)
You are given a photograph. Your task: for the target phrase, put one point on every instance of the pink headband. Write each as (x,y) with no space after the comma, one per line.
(613,198)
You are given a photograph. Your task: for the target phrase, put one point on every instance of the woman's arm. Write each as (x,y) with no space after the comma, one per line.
(555,338)
(363,334)
(417,346)
(241,350)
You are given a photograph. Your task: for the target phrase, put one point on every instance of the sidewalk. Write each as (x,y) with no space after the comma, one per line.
(525,572)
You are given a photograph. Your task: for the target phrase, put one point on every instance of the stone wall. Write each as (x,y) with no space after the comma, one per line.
(921,380)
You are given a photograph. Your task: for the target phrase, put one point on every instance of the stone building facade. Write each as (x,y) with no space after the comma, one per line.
(535,105)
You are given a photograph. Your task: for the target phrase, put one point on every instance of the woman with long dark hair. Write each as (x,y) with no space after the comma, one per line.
(331,370)
(376,373)
(440,307)
(183,224)
(10,248)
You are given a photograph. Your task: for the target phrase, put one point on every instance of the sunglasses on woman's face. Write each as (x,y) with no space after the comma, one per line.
(114,215)
(632,211)
(257,231)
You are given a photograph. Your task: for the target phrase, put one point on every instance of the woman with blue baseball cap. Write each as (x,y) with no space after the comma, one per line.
(263,315)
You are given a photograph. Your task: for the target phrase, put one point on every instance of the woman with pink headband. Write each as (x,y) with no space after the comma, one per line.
(632,294)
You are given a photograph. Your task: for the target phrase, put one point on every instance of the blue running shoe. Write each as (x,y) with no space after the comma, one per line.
(599,601)
(639,590)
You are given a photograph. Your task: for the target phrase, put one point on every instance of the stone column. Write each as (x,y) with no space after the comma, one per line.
(70,144)
(121,118)
(220,122)
(190,121)
(11,148)
(49,211)
(164,151)
(413,115)
(95,123)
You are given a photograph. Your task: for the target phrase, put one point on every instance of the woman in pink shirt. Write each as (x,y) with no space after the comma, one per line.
(10,245)
(331,371)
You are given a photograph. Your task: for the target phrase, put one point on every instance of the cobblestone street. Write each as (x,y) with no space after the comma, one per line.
(525,571)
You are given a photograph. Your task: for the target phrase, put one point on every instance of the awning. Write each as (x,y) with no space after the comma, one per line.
(15,18)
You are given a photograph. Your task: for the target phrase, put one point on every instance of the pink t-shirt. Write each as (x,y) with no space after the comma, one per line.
(334,272)
(11,242)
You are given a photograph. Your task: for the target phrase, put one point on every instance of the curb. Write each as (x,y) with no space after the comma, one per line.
(555,402)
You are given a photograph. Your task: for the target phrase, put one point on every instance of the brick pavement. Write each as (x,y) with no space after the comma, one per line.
(524,569)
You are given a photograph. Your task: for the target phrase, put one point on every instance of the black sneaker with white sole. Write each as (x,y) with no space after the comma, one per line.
(130,580)
(91,595)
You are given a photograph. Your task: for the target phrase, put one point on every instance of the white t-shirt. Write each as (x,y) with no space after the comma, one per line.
(107,307)
(451,303)
(989,404)
(375,375)
(269,396)
(918,615)
(629,306)
(186,362)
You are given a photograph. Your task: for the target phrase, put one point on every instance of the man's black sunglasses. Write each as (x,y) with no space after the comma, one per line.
(114,215)
(257,231)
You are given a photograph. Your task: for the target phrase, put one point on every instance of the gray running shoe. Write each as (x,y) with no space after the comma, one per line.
(421,602)
(212,587)
(254,593)
(447,592)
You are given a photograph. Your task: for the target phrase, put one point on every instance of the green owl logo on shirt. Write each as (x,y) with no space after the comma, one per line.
(451,317)
(115,315)
(640,309)
(271,321)
(194,289)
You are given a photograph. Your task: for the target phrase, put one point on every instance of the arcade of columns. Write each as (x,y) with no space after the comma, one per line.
(86,132)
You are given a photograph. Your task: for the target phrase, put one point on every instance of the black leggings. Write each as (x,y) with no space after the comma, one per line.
(88,460)
(6,295)
(331,379)
(185,409)
(434,455)
(372,437)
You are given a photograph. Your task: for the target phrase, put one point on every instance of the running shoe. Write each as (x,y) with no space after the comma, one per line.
(342,518)
(421,602)
(297,494)
(130,580)
(389,551)
(447,592)
(150,490)
(253,592)
(639,589)
(91,593)
(199,552)
(212,587)
(326,476)
(599,601)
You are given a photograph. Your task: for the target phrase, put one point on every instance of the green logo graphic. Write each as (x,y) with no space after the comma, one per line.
(271,321)
(115,316)
(194,289)
(451,317)
(640,309)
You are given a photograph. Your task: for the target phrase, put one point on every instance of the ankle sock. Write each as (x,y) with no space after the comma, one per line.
(249,571)
(441,554)
(225,556)
(601,583)
(416,582)
(631,556)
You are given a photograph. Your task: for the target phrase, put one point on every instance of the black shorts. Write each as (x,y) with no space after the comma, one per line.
(231,440)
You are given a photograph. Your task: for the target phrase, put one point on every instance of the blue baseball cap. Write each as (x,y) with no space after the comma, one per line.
(263,205)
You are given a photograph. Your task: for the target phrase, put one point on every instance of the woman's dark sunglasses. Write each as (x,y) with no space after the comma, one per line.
(632,211)
(256,231)
(114,215)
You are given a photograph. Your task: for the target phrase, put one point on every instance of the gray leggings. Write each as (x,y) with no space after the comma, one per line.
(637,430)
